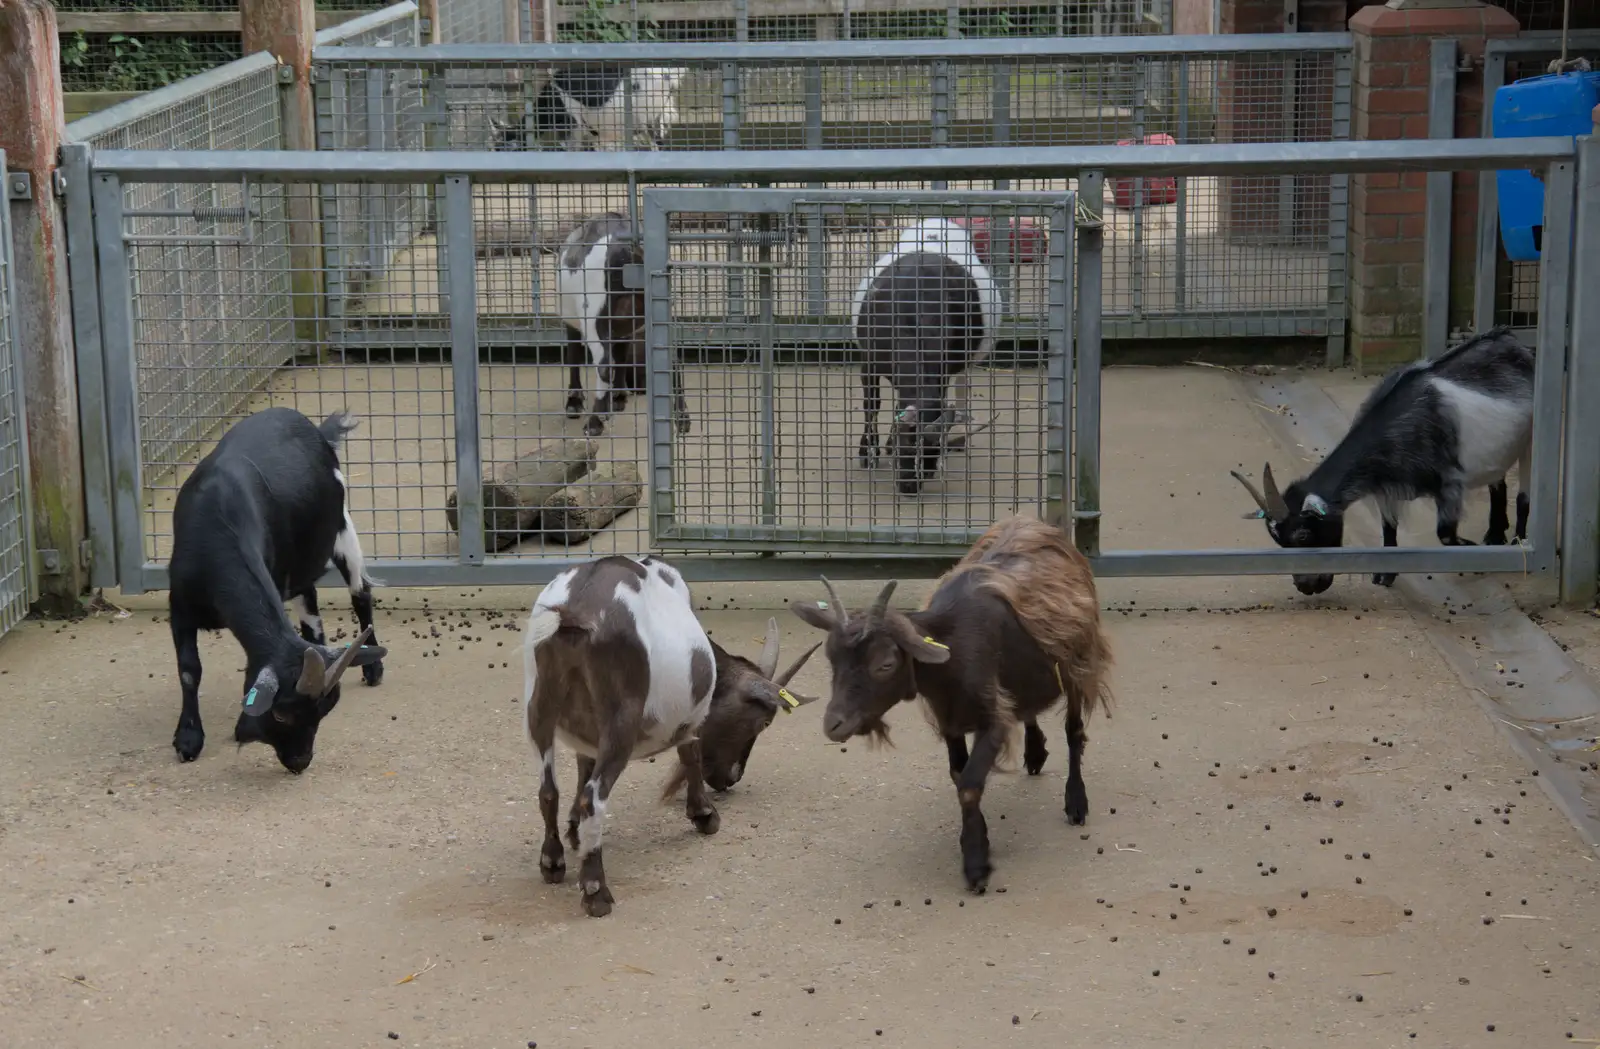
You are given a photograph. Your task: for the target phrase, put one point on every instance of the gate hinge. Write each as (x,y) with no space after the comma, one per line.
(19,185)
(85,554)
(49,562)
(286,74)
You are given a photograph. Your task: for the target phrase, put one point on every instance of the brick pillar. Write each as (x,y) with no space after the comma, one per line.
(1386,211)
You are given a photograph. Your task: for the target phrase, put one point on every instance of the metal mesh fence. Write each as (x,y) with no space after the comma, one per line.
(475,22)
(1208,256)
(907,393)
(392,26)
(602,21)
(14,538)
(194,372)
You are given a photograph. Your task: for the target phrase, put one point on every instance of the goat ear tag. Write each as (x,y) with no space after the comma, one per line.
(822,605)
(794,704)
(1255,515)
(255,704)
(936,644)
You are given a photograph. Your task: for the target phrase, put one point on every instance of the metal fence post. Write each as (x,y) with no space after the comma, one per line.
(1580,497)
(1485,277)
(658,372)
(19,576)
(1059,500)
(1086,381)
(1436,222)
(1339,215)
(463,267)
(1555,269)
(941,111)
(1140,74)
(816,227)
(122,382)
(1180,232)
(85,280)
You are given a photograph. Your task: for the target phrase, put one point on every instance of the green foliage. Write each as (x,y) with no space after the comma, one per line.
(596,22)
(122,62)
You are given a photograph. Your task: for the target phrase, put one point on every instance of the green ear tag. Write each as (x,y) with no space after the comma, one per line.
(784,695)
(822,604)
(249,699)
(936,644)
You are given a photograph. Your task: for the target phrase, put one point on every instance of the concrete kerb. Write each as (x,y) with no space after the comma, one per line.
(1539,697)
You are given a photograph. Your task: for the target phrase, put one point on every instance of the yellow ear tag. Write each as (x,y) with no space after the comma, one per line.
(784,695)
(936,644)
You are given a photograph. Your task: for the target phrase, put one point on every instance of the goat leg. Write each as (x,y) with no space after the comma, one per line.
(552,857)
(1077,803)
(305,613)
(1391,537)
(573,356)
(680,405)
(969,791)
(1523,473)
(1033,753)
(871,401)
(1450,500)
(698,806)
(956,745)
(190,736)
(352,567)
(585,773)
(591,809)
(1499,523)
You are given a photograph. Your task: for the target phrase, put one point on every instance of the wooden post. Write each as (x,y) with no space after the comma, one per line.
(288,29)
(513,20)
(31,129)
(429,11)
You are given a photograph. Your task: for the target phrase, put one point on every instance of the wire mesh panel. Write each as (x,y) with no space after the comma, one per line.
(1201,256)
(392,26)
(474,22)
(15,541)
(905,400)
(205,257)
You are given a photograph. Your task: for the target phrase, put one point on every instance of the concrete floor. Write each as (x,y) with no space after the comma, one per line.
(1258,740)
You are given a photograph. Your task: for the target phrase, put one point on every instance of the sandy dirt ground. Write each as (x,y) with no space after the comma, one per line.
(1304,831)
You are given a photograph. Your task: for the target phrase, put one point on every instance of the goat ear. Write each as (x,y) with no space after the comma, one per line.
(917,645)
(313,673)
(1315,504)
(817,613)
(262,692)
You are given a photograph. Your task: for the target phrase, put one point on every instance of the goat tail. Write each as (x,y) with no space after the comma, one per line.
(335,426)
(679,779)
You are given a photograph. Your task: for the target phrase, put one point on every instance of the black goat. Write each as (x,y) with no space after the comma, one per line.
(926,312)
(1434,428)
(1009,631)
(255,524)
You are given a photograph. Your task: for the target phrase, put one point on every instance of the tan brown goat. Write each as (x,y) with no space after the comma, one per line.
(1012,629)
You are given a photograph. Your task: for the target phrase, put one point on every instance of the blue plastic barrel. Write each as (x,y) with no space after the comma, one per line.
(1558,104)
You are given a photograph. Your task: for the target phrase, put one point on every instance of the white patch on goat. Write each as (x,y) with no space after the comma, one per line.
(543,621)
(347,545)
(591,829)
(304,616)
(664,619)
(582,298)
(1492,430)
(654,108)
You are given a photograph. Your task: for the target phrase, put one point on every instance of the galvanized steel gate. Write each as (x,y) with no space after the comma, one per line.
(16,538)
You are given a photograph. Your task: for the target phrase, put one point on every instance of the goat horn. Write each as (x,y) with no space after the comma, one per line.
(794,668)
(837,604)
(343,663)
(1255,493)
(1275,504)
(881,606)
(769,651)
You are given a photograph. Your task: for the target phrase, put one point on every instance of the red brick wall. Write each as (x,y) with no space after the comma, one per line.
(1390,101)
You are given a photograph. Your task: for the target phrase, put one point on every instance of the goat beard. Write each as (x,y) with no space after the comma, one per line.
(877,735)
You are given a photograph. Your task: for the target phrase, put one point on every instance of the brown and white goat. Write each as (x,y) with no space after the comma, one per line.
(618,668)
(1007,632)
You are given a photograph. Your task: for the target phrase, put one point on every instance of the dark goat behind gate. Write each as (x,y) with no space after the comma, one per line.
(254,525)
(1434,428)
(1009,631)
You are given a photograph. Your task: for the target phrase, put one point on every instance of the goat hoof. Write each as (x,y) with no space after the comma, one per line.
(574,407)
(978,878)
(188,742)
(598,904)
(372,673)
(1384,580)
(1496,539)
(1077,806)
(594,427)
(707,823)
(553,868)
(572,833)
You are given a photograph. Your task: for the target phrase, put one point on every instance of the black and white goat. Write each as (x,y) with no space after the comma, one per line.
(617,667)
(1435,428)
(927,311)
(1010,631)
(586,107)
(600,291)
(254,525)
